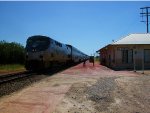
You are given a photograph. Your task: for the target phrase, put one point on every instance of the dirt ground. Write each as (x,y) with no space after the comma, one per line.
(83,89)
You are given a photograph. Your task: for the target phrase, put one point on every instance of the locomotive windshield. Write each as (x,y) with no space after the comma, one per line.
(37,43)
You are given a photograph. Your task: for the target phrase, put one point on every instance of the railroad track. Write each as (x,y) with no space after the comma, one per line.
(10,77)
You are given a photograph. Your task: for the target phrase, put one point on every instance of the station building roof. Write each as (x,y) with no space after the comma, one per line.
(134,39)
(137,38)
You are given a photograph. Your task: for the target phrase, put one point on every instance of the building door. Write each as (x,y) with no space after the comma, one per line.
(127,56)
(109,60)
(130,56)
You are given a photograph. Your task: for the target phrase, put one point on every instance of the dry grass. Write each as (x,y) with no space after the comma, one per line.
(11,68)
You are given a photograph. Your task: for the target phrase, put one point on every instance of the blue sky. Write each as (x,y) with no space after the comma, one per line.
(86,25)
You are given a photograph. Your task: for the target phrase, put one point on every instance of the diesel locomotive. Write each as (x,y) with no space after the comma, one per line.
(43,52)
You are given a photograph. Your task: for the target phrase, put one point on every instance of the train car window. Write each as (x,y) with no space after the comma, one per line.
(55,43)
(58,44)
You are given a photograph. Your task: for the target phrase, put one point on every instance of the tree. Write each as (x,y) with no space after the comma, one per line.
(11,53)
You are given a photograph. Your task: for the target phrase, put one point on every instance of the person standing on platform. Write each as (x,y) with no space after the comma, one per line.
(84,63)
(91,60)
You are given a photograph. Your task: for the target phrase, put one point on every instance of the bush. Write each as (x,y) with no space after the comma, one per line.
(11,53)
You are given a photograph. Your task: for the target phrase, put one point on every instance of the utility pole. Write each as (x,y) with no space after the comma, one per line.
(147,14)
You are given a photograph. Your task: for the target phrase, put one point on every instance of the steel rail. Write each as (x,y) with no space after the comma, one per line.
(10,77)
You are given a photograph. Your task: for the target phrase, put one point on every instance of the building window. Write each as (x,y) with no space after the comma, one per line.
(147,55)
(127,56)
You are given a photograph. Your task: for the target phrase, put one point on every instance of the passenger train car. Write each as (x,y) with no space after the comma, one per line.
(43,52)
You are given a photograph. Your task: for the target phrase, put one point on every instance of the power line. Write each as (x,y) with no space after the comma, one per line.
(147,14)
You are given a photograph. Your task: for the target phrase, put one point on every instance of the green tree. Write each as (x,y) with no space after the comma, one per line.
(11,53)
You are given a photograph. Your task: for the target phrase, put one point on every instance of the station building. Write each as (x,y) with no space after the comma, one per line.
(130,52)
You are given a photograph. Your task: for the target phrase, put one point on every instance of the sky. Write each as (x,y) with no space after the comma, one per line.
(86,25)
